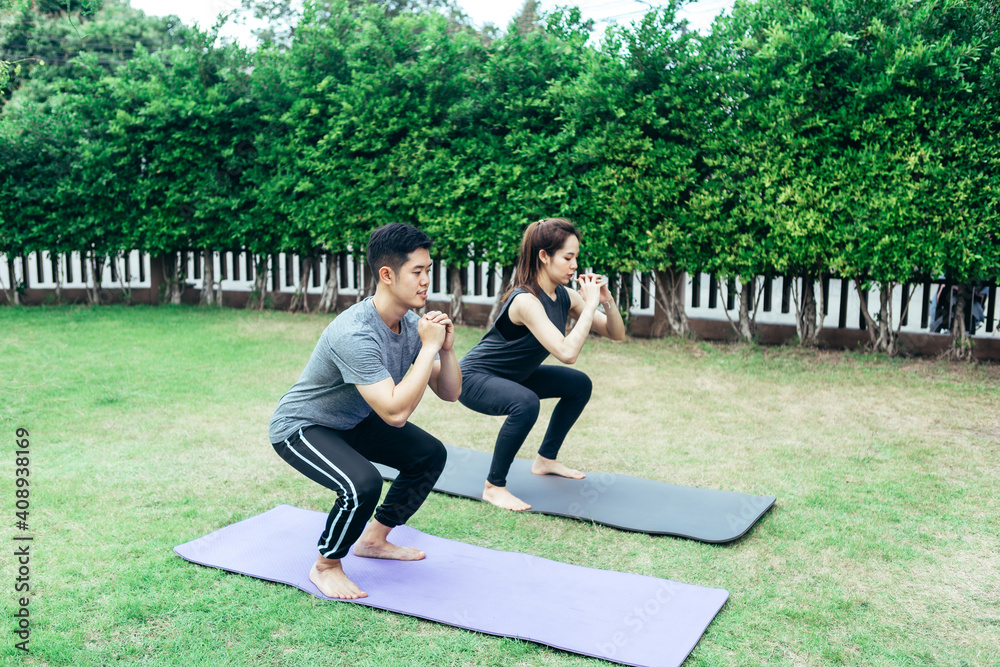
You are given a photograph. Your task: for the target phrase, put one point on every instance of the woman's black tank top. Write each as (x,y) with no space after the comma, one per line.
(511,351)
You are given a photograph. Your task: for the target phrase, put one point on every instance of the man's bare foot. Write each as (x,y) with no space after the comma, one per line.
(501,497)
(544,466)
(373,544)
(328,575)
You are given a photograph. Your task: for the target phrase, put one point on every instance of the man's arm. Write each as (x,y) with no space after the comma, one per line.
(446,376)
(393,402)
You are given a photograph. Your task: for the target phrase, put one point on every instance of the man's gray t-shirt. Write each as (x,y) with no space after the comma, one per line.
(356,348)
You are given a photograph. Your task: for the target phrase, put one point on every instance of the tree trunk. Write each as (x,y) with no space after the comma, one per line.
(95,294)
(506,275)
(126,290)
(725,305)
(872,328)
(91,280)
(961,345)
(808,316)
(820,311)
(880,334)
(359,280)
(623,297)
(59,279)
(671,302)
(173,277)
(300,300)
(12,292)
(887,336)
(748,326)
(218,283)
(258,292)
(180,278)
(906,309)
(457,314)
(331,289)
(208,295)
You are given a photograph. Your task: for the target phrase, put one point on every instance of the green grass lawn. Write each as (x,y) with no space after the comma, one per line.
(148,428)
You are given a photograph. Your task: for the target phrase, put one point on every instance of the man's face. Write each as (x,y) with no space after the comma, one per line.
(410,285)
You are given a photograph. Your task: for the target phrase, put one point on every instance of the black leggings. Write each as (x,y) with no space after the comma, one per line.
(340,461)
(492,395)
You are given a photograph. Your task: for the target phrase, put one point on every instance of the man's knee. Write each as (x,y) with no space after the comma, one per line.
(426,469)
(427,455)
(436,456)
(368,488)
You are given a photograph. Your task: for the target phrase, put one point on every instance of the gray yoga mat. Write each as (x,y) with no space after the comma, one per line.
(620,501)
(627,618)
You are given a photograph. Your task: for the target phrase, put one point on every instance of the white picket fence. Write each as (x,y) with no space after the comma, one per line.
(704,298)
(42,269)
(775,303)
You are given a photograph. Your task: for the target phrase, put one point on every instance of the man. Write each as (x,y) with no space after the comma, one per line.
(351,404)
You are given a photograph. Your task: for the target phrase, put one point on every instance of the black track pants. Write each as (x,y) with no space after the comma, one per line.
(341,461)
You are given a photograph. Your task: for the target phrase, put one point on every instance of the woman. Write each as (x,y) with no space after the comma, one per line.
(503,374)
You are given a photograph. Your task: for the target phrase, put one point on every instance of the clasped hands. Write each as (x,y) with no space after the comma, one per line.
(593,288)
(436,330)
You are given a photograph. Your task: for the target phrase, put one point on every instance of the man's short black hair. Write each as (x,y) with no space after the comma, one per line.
(390,245)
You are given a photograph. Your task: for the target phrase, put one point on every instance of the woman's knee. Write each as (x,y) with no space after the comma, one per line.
(521,417)
(582,387)
(525,407)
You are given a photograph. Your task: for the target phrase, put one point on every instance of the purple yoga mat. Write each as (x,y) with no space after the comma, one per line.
(627,618)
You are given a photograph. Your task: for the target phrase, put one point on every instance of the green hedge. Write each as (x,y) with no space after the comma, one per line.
(845,138)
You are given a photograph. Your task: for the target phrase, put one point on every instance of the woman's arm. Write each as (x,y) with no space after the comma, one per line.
(528,311)
(609,323)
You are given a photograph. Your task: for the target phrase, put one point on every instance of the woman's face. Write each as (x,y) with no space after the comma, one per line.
(561,267)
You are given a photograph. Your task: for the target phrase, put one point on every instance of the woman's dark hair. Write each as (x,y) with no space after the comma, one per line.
(391,244)
(549,235)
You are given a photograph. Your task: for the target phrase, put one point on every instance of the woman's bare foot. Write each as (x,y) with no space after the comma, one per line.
(328,575)
(501,497)
(544,466)
(373,544)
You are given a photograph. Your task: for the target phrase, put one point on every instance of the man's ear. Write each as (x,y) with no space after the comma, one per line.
(386,275)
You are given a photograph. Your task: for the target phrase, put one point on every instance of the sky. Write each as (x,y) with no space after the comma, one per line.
(498,12)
